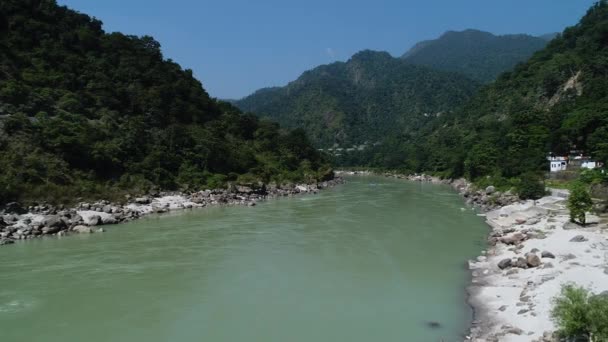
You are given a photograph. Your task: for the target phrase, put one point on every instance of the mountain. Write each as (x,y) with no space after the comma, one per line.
(361,100)
(84,113)
(479,55)
(549,36)
(556,102)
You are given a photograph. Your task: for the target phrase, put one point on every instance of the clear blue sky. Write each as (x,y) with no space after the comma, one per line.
(238,46)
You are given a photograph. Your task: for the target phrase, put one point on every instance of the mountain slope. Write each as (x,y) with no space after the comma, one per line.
(479,55)
(555,102)
(86,113)
(361,100)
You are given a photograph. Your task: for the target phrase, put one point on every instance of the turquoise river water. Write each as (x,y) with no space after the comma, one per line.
(373,260)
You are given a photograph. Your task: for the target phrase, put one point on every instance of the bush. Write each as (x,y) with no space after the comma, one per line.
(579,202)
(531,186)
(579,314)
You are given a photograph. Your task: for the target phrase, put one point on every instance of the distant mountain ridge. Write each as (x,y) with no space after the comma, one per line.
(362,99)
(481,56)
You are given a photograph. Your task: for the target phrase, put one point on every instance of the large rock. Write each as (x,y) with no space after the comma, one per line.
(95,220)
(513,239)
(53,224)
(532,260)
(83,230)
(490,190)
(505,263)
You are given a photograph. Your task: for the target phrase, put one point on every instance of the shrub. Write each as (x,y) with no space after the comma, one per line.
(579,314)
(579,202)
(531,186)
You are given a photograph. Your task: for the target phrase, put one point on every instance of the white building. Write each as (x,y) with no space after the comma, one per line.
(589,164)
(557,165)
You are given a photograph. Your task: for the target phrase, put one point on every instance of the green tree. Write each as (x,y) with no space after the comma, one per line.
(579,314)
(579,202)
(531,186)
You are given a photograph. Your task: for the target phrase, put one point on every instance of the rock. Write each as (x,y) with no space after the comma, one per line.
(578,238)
(143,200)
(606,270)
(76,219)
(546,254)
(95,220)
(490,190)
(534,250)
(569,256)
(83,230)
(521,263)
(109,220)
(433,325)
(505,263)
(107,209)
(520,221)
(532,260)
(14,208)
(502,308)
(251,204)
(6,241)
(521,312)
(53,224)
(513,239)
(514,331)
(548,265)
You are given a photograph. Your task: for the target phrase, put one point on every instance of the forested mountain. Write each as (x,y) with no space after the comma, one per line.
(361,100)
(555,102)
(83,112)
(479,55)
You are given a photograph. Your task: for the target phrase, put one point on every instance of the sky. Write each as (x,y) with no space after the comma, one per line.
(235,47)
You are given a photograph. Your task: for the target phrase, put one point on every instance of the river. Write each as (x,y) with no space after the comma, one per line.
(375,259)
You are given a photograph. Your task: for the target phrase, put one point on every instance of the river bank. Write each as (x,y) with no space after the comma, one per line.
(533,249)
(19,223)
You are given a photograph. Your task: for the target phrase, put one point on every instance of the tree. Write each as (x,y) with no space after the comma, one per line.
(579,314)
(579,203)
(531,187)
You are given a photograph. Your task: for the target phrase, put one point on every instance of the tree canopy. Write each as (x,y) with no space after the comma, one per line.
(83,111)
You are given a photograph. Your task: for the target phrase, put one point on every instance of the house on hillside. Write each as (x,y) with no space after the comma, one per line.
(576,160)
(557,163)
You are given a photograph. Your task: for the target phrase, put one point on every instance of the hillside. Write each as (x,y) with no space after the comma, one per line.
(361,100)
(555,102)
(86,113)
(479,55)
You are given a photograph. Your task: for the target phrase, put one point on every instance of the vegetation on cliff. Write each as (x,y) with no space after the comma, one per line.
(84,113)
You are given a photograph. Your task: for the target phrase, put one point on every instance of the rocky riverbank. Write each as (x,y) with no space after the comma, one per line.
(484,199)
(533,250)
(20,223)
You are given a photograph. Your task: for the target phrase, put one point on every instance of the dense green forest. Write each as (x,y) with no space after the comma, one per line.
(362,99)
(479,55)
(84,113)
(555,102)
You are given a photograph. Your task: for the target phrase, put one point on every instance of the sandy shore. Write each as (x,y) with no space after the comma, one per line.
(514,303)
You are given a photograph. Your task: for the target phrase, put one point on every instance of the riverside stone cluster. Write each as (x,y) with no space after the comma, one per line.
(23,223)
